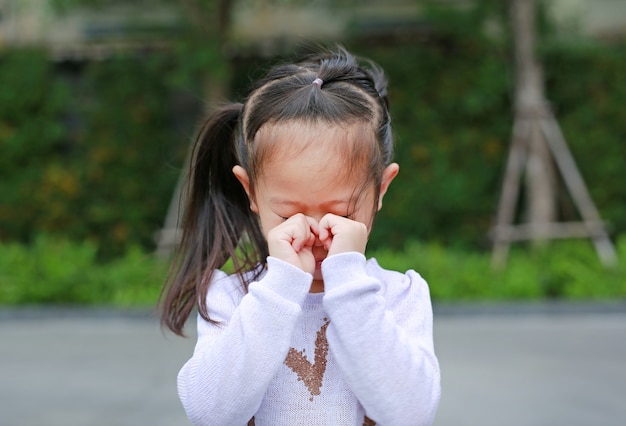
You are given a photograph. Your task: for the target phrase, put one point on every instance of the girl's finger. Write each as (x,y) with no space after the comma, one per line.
(326,233)
(313,225)
(327,223)
(314,230)
(340,234)
(300,231)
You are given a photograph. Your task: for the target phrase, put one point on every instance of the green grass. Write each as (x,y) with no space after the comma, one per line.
(54,271)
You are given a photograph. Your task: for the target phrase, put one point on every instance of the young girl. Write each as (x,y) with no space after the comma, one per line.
(306,331)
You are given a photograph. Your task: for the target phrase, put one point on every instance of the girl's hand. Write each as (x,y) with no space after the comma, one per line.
(340,234)
(292,241)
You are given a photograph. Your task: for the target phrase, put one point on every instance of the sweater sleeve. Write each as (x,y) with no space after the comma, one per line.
(234,361)
(382,340)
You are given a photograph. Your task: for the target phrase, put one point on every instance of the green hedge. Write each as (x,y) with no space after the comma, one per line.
(35,189)
(96,155)
(91,155)
(56,271)
(568,270)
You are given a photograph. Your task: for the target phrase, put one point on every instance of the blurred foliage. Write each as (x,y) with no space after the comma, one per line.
(94,153)
(57,271)
(587,105)
(568,270)
(32,142)
(452,123)
(92,160)
(128,150)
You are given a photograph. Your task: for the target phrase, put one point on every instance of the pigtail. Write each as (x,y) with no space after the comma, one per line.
(216,219)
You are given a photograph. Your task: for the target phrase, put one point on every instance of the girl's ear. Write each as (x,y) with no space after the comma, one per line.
(242,176)
(390,172)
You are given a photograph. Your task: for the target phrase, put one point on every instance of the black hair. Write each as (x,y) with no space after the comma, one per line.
(218,224)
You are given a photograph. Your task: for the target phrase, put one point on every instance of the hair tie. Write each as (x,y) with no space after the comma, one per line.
(318,82)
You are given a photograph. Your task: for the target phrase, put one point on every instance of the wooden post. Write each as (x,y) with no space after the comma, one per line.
(529,100)
(538,145)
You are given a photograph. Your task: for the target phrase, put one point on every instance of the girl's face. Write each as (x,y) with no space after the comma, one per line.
(306,175)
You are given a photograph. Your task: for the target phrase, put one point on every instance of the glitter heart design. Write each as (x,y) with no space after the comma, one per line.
(311,374)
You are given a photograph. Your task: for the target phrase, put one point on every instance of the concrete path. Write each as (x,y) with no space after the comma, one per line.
(532,369)
(89,369)
(505,366)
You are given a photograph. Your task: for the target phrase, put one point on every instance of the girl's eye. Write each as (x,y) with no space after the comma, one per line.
(347,216)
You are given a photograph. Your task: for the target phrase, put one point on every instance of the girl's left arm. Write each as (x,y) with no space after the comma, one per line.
(383,345)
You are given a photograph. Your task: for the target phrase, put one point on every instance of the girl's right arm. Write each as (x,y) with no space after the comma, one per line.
(234,361)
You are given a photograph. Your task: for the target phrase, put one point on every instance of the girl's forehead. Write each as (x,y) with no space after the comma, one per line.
(336,141)
(311,177)
(314,161)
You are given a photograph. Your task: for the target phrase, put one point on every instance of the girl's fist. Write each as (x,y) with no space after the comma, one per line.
(292,241)
(340,234)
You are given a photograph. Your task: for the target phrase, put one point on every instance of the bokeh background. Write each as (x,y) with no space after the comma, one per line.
(100,99)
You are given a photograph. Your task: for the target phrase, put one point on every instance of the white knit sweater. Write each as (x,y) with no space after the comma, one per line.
(359,353)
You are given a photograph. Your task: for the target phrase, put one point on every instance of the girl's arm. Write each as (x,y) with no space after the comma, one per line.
(384,345)
(234,361)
